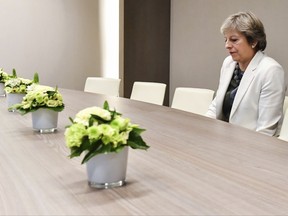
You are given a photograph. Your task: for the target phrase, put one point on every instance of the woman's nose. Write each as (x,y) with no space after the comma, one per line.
(227,45)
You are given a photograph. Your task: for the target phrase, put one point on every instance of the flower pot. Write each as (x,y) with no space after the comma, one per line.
(45,120)
(107,170)
(14,98)
(2,91)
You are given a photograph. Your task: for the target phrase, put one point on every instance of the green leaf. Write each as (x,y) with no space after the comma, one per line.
(77,151)
(57,109)
(135,141)
(88,156)
(98,119)
(95,148)
(14,74)
(119,149)
(36,78)
(51,93)
(106,106)
(113,112)
(71,119)
(33,109)
(138,130)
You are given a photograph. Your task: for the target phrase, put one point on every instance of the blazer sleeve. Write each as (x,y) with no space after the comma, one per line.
(271,99)
(212,109)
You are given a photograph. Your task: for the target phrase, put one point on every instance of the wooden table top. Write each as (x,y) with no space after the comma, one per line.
(194,166)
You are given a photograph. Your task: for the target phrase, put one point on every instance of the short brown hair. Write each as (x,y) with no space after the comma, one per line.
(249,25)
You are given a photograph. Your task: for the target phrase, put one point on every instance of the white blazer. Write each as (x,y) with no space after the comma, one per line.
(258,104)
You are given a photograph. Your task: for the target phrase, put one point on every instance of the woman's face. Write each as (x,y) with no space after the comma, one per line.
(239,48)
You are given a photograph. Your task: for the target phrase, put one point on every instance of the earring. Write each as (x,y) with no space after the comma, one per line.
(253,46)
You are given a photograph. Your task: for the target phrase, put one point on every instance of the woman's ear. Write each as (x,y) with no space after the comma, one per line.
(254,44)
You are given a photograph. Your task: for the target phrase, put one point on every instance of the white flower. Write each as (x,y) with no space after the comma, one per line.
(84,115)
(37,87)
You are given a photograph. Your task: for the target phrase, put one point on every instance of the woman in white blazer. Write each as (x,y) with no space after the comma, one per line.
(252,85)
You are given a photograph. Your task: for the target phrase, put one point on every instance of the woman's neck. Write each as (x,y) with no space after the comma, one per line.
(243,66)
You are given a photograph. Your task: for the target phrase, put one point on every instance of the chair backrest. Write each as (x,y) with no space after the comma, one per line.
(195,100)
(101,85)
(284,128)
(285,105)
(151,92)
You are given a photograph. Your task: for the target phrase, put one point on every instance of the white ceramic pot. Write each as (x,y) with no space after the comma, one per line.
(2,91)
(45,120)
(107,170)
(14,98)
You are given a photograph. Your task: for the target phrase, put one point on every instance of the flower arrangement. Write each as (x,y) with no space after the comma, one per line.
(96,130)
(3,76)
(39,96)
(19,85)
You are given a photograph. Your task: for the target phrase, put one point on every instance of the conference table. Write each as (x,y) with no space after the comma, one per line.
(194,166)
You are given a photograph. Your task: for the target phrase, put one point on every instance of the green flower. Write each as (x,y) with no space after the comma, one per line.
(52,103)
(8,89)
(3,76)
(74,135)
(22,88)
(94,133)
(122,138)
(26,104)
(120,123)
(96,130)
(17,85)
(108,132)
(39,96)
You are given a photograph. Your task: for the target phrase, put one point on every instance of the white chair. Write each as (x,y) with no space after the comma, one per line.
(195,100)
(151,92)
(101,85)
(284,128)
(285,105)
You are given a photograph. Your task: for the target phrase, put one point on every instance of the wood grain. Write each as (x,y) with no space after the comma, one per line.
(195,166)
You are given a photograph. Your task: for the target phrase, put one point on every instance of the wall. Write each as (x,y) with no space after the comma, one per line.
(60,39)
(109,32)
(146,43)
(57,38)
(197,47)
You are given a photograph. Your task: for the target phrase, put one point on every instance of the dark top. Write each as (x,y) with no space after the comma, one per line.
(231,92)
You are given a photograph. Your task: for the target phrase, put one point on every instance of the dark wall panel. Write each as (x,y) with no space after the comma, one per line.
(146,43)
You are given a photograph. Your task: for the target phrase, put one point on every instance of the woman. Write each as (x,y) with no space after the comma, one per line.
(252,85)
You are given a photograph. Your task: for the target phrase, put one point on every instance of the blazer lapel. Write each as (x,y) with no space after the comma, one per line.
(246,81)
(223,87)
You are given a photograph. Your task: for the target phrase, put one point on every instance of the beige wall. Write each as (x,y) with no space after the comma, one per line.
(197,47)
(57,38)
(60,39)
